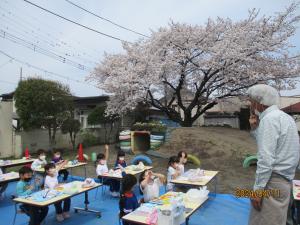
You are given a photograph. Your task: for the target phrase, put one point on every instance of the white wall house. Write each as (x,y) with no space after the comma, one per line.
(84,106)
(13,143)
(228,111)
(6,132)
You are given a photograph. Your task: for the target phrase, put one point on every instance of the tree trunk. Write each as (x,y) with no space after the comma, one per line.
(118,130)
(110,130)
(50,137)
(74,142)
(187,122)
(105,134)
(73,137)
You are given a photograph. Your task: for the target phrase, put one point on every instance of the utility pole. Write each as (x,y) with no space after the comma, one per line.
(21,74)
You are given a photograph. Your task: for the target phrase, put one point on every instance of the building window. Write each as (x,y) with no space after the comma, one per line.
(82,121)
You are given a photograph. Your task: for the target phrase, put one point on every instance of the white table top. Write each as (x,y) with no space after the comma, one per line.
(15,162)
(128,170)
(208,176)
(9,177)
(67,166)
(142,218)
(58,198)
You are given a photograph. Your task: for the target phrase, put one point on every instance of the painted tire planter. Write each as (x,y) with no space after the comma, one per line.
(125,143)
(156,141)
(126,148)
(250,160)
(125,132)
(125,137)
(141,158)
(158,133)
(156,137)
(154,147)
(194,159)
(155,144)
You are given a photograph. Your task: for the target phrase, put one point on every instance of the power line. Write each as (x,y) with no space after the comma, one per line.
(49,27)
(8,82)
(46,36)
(71,21)
(102,18)
(5,63)
(41,50)
(38,40)
(43,70)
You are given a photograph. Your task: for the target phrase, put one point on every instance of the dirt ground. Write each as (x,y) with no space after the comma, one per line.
(218,148)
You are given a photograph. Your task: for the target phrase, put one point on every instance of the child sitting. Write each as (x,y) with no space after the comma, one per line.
(40,162)
(103,169)
(150,183)
(182,155)
(120,162)
(57,160)
(173,172)
(51,182)
(24,188)
(128,201)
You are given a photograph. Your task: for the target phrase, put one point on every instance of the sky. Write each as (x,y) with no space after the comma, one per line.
(22,23)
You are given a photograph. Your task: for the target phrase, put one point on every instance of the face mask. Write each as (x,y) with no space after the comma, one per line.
(147,174)
(256,112)
(52,171)
(42,157)
(121,158)
(57,156)
(102,162)
(27,179)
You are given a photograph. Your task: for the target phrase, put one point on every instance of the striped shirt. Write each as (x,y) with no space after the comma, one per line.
(278,146)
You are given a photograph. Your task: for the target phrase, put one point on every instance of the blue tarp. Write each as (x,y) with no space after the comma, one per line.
(224,209)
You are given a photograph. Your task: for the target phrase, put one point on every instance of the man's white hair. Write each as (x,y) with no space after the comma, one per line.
(264,94)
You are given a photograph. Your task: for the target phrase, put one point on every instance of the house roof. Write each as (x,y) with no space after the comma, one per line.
(7,96)
(90,99)
(295,108)
(76,99)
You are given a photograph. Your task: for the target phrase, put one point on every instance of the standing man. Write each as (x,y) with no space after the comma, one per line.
(277,153)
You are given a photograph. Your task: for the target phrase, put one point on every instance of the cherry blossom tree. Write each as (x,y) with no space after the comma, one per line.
(217,60)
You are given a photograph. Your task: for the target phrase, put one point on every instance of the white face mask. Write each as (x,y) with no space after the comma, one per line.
(52,171)
(102,162)
(42,157)
(257,112)
(121,158)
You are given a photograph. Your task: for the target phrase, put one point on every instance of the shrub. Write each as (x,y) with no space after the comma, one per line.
(89,139)
(155,127)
